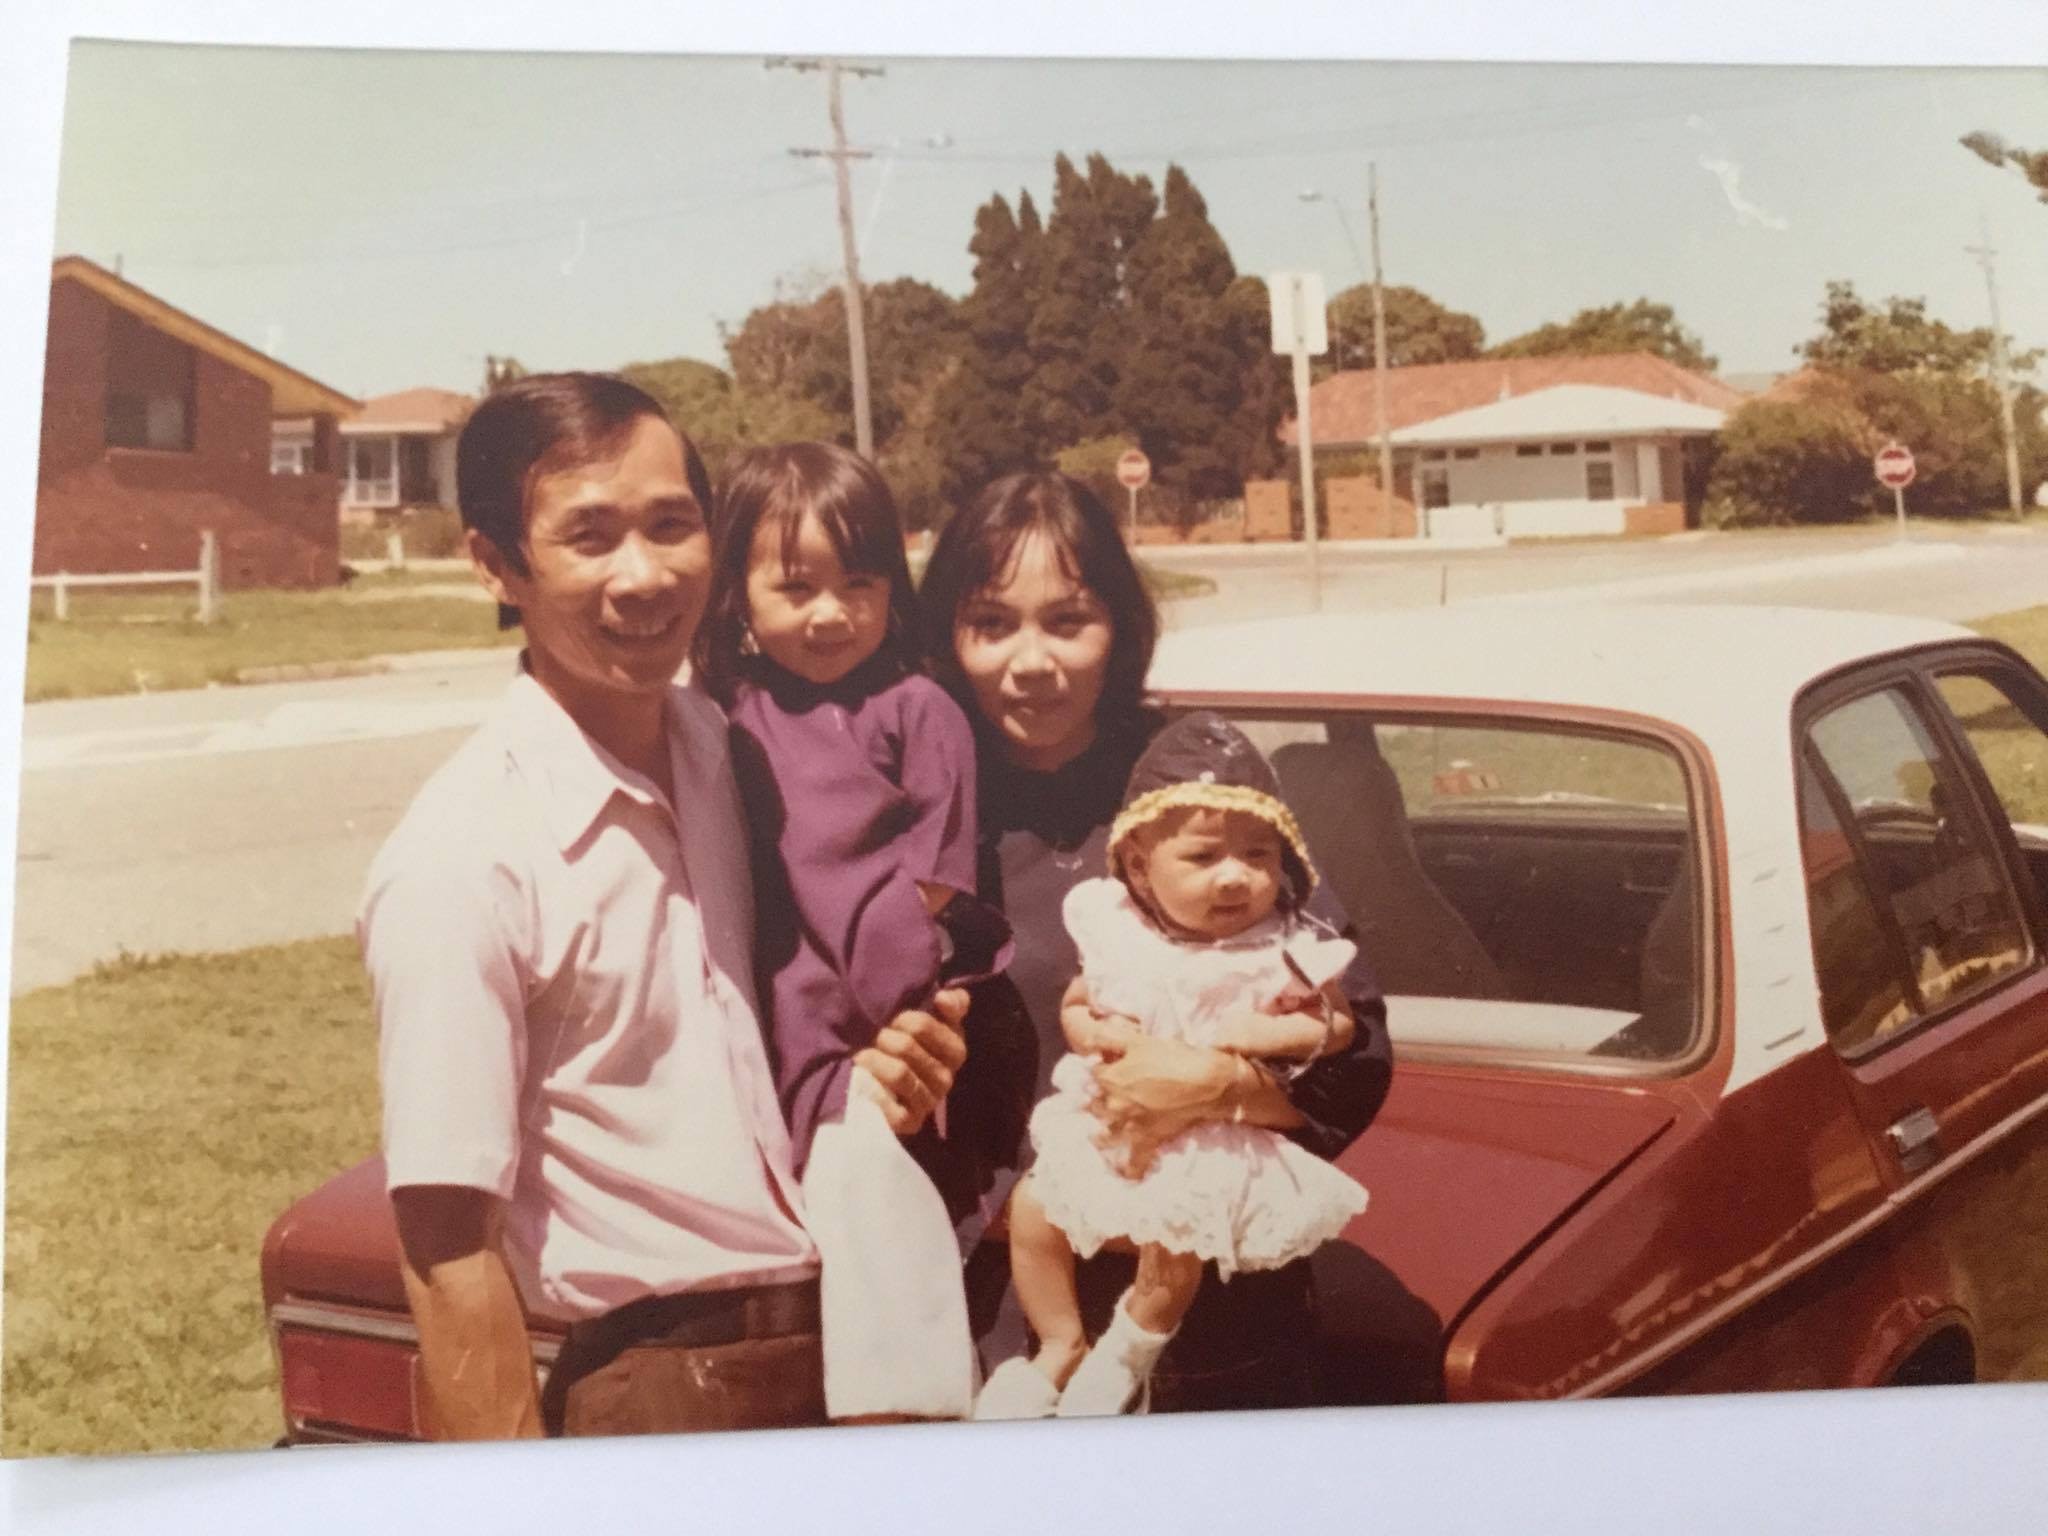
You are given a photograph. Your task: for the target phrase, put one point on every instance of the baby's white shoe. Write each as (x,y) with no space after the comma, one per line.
(1017,1389)
(1117,1372)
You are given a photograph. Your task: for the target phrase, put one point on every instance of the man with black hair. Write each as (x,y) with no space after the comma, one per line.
(579,1119)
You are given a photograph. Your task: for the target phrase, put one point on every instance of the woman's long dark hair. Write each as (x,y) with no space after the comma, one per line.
(781,486)
(978,547)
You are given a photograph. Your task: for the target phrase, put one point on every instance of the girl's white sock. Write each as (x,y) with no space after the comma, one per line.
(1117,1368)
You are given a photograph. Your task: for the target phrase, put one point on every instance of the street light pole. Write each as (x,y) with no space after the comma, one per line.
(2001,377)
(1379,357)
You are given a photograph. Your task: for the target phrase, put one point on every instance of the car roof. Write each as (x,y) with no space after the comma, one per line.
(1727,674)
(1703,667)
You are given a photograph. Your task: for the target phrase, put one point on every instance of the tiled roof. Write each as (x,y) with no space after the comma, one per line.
(1750,383)
(411,410)
(1343,412)
(291,392)
(1567,411)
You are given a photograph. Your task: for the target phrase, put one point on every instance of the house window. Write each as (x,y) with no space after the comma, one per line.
(1464,453)
(1599,480)
(372,473)
(149,387)
(1561,449)
(1601,447)
(288,458)
(1528,450)
(1434,455)
(1436,488)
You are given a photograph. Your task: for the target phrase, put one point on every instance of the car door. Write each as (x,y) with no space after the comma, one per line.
(1923,802)
(1928,932)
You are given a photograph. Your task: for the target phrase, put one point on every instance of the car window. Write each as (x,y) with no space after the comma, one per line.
(1859,965)
(2002,718)
(1887,806)
(1518,888)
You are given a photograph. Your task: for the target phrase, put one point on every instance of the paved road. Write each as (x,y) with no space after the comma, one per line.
(220,818)
(1961,576)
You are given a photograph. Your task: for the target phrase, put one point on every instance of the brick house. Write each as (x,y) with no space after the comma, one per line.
(1526,447)
(157,427)
(399,453)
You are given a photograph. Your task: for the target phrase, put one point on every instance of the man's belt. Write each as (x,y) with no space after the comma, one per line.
(702,1319)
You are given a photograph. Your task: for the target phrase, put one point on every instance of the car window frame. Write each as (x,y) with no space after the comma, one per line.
(1705,825)
(1913,673)
(1989,660)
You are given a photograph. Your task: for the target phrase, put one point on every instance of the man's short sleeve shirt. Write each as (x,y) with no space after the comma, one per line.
(563,979)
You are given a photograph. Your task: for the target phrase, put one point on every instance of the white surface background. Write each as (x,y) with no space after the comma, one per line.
(1972,1460)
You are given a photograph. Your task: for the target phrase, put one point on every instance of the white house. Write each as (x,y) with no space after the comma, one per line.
(399,451)
(1569,459)
(1529,446)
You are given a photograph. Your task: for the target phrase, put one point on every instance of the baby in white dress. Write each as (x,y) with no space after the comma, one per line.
(1198,937)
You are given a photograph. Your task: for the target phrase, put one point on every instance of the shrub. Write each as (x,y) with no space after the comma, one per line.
(1807,458)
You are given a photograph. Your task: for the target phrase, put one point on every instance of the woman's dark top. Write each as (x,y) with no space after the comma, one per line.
(1246,1343)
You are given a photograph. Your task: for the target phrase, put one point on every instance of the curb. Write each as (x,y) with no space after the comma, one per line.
(372,666)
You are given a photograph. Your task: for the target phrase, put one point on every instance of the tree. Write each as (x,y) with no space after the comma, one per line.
(1896,337)
(1267,386)
(1419,330)
(720,416)
(2030,163)
(1637,327)
(500,371)
(1181,376)
(795,347)
(1079,336)
(1807,458)
(979,429)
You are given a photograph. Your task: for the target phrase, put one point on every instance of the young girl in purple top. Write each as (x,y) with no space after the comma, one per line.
(858,776)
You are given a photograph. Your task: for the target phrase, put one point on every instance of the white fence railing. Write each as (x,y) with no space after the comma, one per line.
(206,578)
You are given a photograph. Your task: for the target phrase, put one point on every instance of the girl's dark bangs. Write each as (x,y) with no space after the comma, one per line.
(861,543)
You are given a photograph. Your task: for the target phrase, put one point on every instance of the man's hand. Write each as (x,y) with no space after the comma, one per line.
(915,1059)
(476,1363)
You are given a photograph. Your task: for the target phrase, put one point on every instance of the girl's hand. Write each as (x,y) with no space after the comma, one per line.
(915,1059)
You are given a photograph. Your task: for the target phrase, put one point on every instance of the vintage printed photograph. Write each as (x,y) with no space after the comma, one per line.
(746,742)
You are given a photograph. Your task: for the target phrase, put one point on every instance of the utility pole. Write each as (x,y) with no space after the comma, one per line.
(839,154)
(1379,356)
(2001,377)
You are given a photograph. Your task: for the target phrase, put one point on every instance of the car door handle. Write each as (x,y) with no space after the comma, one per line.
(1915,1139)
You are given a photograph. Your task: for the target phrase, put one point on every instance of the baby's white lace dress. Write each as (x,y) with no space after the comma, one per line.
(1240,1196)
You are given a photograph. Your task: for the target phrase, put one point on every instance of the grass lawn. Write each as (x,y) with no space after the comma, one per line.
(147,643)
(1167,584)
(161,1113)
(136,644)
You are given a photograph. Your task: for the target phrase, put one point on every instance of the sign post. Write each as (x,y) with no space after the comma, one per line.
(1133,473)
(1301,329)
(1895,468)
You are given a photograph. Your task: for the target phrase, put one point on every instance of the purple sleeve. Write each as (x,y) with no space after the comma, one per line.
(937,757)
(848,847)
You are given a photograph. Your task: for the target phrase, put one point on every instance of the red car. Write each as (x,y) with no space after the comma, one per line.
(1716,948)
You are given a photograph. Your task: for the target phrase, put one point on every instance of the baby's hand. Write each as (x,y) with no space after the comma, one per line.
(1293,1000)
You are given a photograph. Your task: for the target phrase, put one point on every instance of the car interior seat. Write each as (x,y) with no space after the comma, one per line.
(1348,800)
(1669,976)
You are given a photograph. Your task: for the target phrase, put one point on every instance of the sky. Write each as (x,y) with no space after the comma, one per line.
(387,219)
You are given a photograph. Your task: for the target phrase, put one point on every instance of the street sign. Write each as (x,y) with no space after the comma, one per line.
(1300,323)
(1301,330)
(1133,469)
(1894,466)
